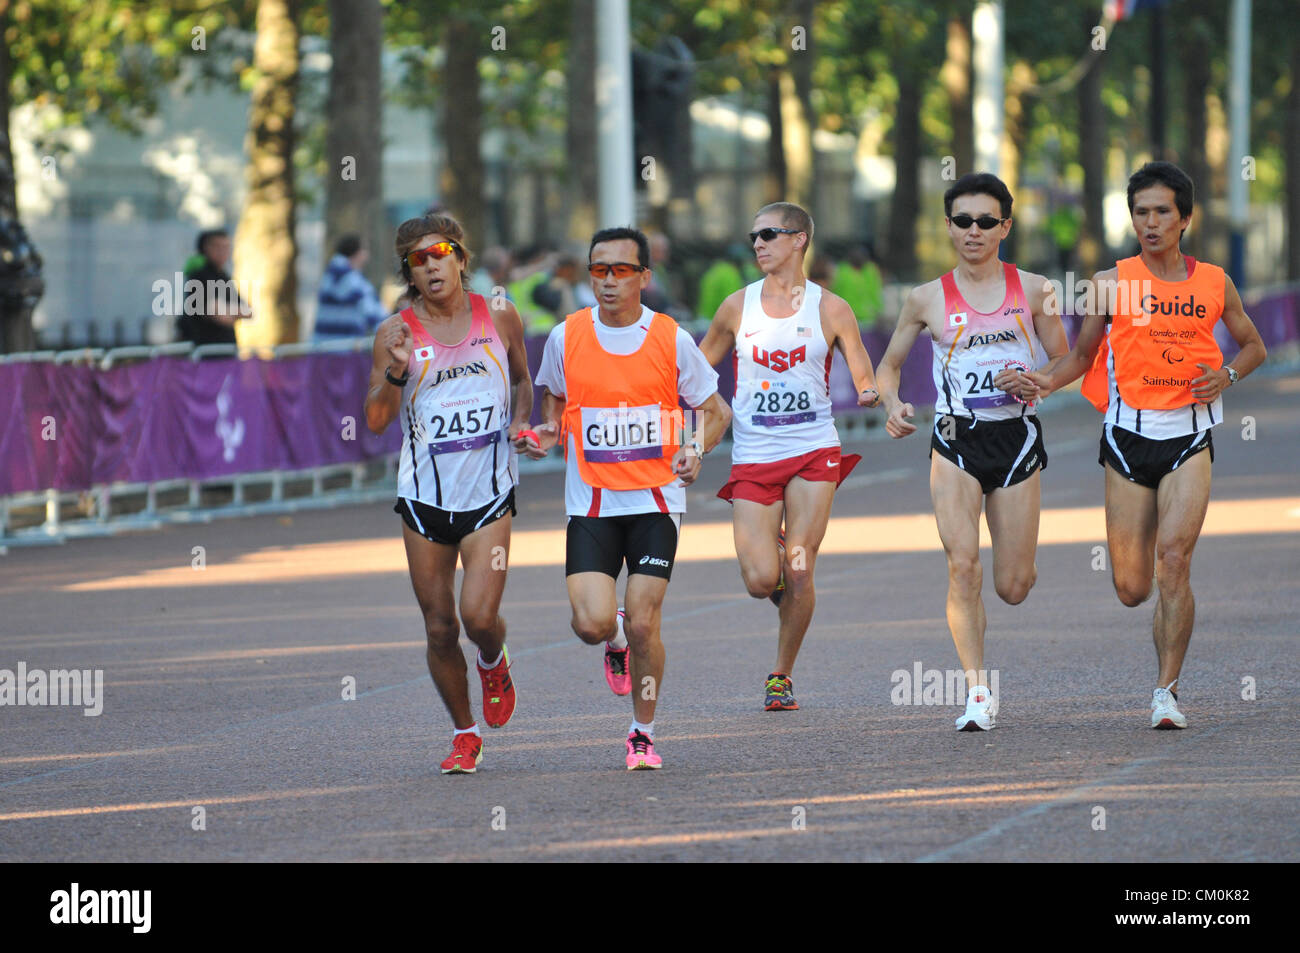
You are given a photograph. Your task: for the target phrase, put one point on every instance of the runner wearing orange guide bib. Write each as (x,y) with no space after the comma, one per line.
(1156,372)
(613,377)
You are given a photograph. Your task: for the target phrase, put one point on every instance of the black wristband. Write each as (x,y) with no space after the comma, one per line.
(396,381)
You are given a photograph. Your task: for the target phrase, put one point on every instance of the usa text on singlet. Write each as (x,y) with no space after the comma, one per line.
(782,406)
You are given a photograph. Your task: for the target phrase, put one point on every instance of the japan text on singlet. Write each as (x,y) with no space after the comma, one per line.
(782,406)
(455,411)
(975,347)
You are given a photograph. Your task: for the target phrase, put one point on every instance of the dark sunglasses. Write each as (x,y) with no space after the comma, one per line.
(419,256)
(985,222)
(767,234)
(621,269)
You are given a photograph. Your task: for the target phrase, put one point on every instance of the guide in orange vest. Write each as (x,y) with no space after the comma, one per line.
(987,320)
(781,333)
(613,378)
(1156,373)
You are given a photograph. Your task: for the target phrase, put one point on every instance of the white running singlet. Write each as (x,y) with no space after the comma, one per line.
(455,413)
(976,347)
(782,407)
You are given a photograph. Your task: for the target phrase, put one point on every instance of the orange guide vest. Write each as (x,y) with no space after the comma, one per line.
(622,409)
(1160,331)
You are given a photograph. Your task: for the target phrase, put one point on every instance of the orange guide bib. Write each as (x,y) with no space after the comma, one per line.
(622,409)
(1160,331)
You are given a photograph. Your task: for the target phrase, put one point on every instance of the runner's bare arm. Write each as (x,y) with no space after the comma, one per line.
(1213,381)
(1045,312)
(511,327)
(391,352)
(548,431)
(1075,363)
(721,337)
(712,419)
(911,321)
(837,318)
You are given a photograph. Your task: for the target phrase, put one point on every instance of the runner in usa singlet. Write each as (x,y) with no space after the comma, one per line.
(976,347)
(455,413)
(782,407)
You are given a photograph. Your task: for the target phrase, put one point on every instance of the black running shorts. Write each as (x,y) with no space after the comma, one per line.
(998,453)
(1144,461)
(647,542)
(448,527)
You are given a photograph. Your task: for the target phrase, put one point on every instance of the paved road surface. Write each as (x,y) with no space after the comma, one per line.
(223,690)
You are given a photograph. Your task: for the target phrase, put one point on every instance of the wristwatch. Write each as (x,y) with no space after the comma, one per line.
(695,445)
(396,381)
(1233,376)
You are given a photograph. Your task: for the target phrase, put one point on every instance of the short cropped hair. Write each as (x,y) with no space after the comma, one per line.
(978,183)
(792,216)
(1164,173)
(620,233)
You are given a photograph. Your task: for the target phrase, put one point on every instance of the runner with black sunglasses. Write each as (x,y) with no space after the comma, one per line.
(786,463)
(989,322)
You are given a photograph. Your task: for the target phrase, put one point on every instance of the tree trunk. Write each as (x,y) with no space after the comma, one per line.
(16,332)
(906,202)
(1292,153)
(958,80)
(1092,156)
(797,120)
(580,130)
(1196,84)
(266,248)
(777,171)
(354,190)
(462,177)
(1015,134)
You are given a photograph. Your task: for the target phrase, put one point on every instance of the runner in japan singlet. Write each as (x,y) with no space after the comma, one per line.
(455,411)
(975,347)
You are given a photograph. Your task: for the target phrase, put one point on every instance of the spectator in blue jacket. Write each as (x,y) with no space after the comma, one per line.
(347,305)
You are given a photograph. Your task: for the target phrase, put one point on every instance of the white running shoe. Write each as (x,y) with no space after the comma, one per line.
(1164,709)
(981,710)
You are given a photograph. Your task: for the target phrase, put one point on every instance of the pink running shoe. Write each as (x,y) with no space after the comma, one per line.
(641,753)
(617,673)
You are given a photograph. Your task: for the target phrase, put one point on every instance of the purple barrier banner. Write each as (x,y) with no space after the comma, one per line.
(72,427)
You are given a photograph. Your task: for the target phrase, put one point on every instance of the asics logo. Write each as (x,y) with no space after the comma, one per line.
(653,561)
(1031,461)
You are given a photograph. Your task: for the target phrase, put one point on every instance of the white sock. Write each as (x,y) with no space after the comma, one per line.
(647,730)
(619,642)
(487,665)
(471,730)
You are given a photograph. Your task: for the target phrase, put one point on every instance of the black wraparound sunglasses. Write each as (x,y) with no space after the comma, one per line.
(767,234)
(985,222)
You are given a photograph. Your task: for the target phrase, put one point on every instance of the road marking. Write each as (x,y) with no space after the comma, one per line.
(1002,826)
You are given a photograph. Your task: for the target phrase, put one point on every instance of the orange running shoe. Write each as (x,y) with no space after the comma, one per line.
(466,753)
(498,691)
